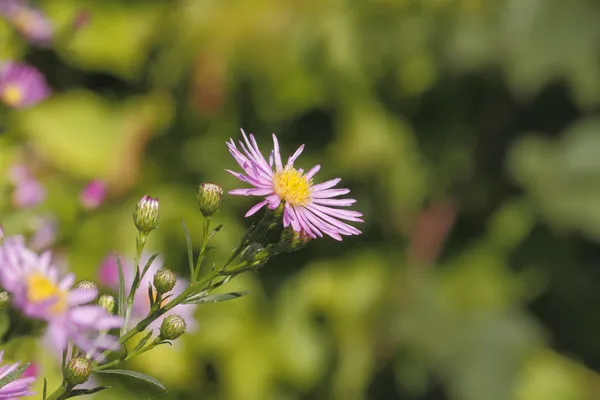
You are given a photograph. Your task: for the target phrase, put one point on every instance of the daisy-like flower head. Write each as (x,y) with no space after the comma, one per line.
(308,207)
(19,387)
(38,290)
(109,276)
(22,85)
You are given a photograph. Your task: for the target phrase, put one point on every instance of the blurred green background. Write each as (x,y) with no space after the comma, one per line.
(468,130)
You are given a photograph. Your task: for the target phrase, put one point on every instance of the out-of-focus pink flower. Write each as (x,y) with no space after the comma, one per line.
(32,371)
(22,85)
(39,291)
(109,276)
(31,23)
(28,191)
(45,229)
(92,196)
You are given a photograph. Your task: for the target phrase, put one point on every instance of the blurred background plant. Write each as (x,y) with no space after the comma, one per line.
(467,129)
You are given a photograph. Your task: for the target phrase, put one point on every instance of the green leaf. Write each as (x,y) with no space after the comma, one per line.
(142,342)
(121,296)
(45,390)
(190,249)
(13,375)
(148,264)
(134,374)
(151,294)
(216,298)
(214,232)
(85,392)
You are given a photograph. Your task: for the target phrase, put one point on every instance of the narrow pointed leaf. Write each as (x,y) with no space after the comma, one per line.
(85,392)
(151,294)
(121,294)
(134,374)
(149,264)
(216,298)
(142,342)
(13,375)
(45,390)
(190,249)
(214,232)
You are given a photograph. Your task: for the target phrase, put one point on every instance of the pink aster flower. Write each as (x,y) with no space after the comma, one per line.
(308,207)
(28,191)
(109,276)
(38,290)
(31,23)
(19,387)
(22,85)
(92,196)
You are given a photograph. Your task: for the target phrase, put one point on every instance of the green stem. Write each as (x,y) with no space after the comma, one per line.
(202,254)
(140,242)
(61,393)
(192,289)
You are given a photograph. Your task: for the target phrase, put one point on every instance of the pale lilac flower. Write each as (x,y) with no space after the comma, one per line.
(109,276)
(39,291)
(28,191)
(22,85)
(92,195)
(308,207)
(29,21)
(20,387)
(45,229)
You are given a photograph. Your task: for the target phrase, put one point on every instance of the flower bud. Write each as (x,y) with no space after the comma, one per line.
(107,302)
(164,280)
(92,196)
(146,215)
(86,285)
(209,198)
(172,327)
(1,234)
(78,370)
(292,240)
(4,299)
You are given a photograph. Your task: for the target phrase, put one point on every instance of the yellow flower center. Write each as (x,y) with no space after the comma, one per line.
(40,288)
(12,95)
(292,187)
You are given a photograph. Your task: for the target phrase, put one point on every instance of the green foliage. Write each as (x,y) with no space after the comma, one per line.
(467,130)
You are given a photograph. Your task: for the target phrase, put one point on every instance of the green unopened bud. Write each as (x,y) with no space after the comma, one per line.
(209,198)
(78,371)
(107,302)
(172,327)
(292,240)
(4,299)
(86,285)
(146,215)
(164,280)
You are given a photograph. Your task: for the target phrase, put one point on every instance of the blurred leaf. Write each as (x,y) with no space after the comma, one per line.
(85,392)
(134,374)
(13,375)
